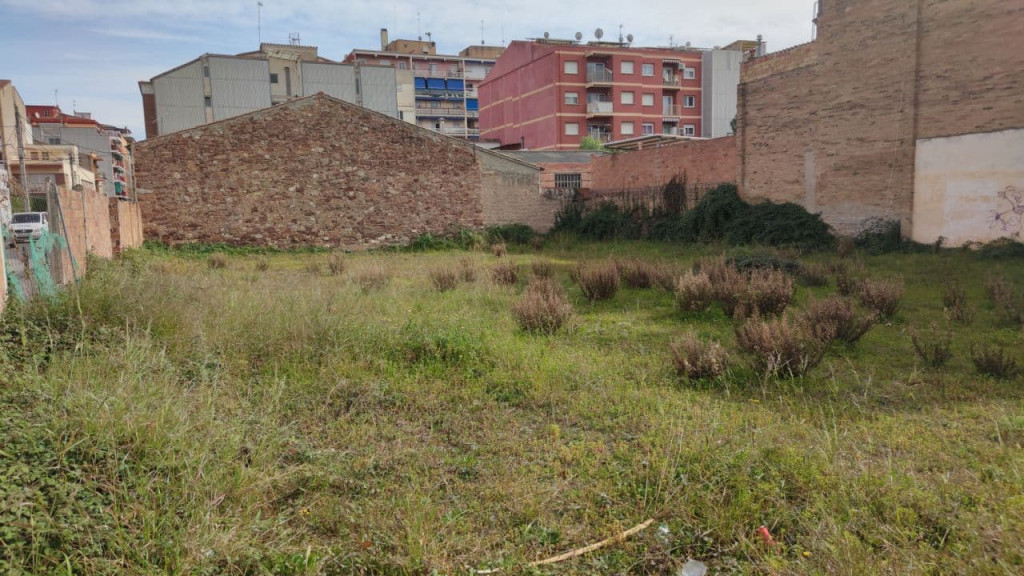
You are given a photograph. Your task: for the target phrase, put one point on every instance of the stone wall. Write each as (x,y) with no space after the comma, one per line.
(833,125)
(314,171)
(641,175)
(125,225)
(511,194)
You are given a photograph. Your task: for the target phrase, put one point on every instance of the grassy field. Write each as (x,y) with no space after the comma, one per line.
(305,414)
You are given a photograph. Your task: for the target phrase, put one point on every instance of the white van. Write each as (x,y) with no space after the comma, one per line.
(27,225)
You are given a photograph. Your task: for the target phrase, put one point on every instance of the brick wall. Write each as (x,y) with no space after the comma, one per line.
(585,170)
(314,171)
(125,225)
(86,217)
(642,175)
(511,194)
(833,124)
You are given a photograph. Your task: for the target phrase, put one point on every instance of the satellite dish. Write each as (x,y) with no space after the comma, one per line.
(687,44)
(598,33)
(579,36)
(629,38)
(547,35)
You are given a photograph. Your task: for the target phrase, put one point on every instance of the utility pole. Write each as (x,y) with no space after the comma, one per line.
(22,171)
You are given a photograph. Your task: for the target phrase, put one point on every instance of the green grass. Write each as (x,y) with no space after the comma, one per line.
(166,417)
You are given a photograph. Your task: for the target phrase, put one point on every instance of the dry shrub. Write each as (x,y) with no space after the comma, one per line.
(934,346)
(769,291)
(635,273)
(697,359)
(694,292)
(836,318)
(444,279)
(599,281)
(954,301)
(543,308)
(314,268)
(372,279)
(728,283)
(542,268)
(994,361)
(336,263)
(217,261)
(499,249)
(845,247)
(664,276)
(505,273)
(262,264)
(882,297)
(1009,304)
(537,243)
(467,270)
(814,275)
(781,347)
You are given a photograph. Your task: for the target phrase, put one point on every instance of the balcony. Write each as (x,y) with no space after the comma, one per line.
(600,108)
(446,113)
(600,135)
(599,76)
(673,110)
(671,82)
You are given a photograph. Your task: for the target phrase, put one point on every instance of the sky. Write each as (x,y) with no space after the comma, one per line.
(88,55)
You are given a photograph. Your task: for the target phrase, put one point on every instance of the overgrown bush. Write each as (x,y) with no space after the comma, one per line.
(955,304)
(505,273)
(542,268)
(994,361)
(835,318)
(934,346)
(769,291)
(455,239)
(543,308)
(217,261)
(763,260)
(519,234)
(664,276)
(598,281)
(444,279)
(784,224)
(728,283)
(694,292)
(814,275)
(697,359)
(781,347)
(635,273)
(883,296)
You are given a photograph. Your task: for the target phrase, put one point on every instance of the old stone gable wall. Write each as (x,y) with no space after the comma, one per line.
(641,175)
(833,124)
(511,194)
(315,171)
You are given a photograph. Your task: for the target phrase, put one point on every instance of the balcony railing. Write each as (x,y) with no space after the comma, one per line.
(599,75)
(426,72)
(600,135)
(673,110)
(447,113)
(599,108)
(670,81)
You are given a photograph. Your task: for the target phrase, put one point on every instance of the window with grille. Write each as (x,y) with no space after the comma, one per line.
(568,181)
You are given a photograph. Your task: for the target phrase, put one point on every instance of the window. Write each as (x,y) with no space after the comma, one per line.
(648,100)
(208,101)
(626,67)
(689,101)
(402,65)
(52,140)
(568,181)
(647,128)
(572,67)
(206,71)
(572,98)
(627,97)
(572,129)
(689,73)
(689,130)
(627,129)
(273,78)
(647,69)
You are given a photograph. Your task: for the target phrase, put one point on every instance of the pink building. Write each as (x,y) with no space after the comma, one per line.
(550,94)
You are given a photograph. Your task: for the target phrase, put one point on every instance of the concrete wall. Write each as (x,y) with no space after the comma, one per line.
(970,188)
(179,98)
(721,76)
(125,225)
(642,175)
(86,217)
(314,171)
(511,194)
(335,80)
(238,86)
(833,124)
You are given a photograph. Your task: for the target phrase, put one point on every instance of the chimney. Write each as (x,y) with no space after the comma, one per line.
(383,39)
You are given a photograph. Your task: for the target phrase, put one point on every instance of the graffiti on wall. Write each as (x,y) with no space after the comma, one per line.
(1009,217)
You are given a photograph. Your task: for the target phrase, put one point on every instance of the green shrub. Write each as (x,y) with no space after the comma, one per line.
(934,346)
(994,361)
(519,234)
(707,222)
(785,224)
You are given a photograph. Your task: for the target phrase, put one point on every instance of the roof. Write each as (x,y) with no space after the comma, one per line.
(553,156)
(379,53)
(649,141)
(53,115)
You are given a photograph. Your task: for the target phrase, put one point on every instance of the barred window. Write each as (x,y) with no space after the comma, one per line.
(568,181)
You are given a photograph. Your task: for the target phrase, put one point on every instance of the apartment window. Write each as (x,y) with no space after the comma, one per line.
(572,129)
(402,66)
(689,130)
(572,98)
(627,97)
(628,129)
(626,67)
(572,67)
(689,73)
(568,181)
(206,71)
(647,128)
(53,140)
(273,78)
(689,101)
(648,100)
(208,101)
(433,69)
(647,69)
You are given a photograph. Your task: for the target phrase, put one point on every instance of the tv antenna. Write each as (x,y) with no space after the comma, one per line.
(482,42)
(293,39)
(259,24)
(620,33)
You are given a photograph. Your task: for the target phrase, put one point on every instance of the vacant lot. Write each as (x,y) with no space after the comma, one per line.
(385,413)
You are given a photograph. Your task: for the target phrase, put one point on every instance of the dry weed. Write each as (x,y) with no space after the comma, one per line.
(543,308)
(883,296)
(598,281)
(694,292)
(781,347)
(697,359)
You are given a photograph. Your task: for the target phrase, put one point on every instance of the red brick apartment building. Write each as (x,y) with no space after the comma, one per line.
(550,94)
